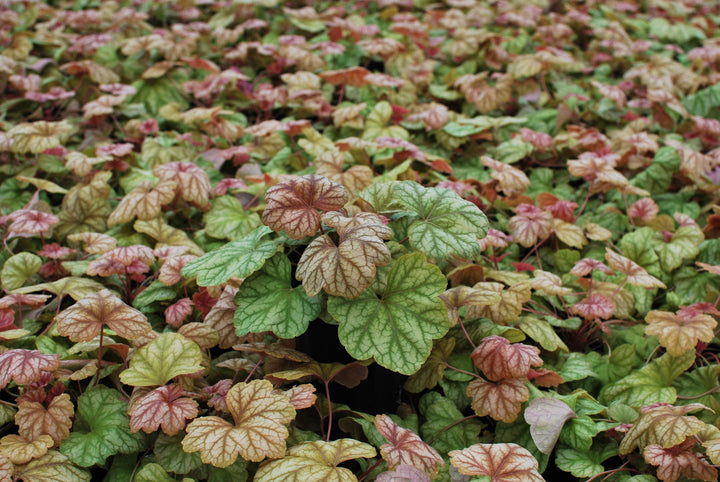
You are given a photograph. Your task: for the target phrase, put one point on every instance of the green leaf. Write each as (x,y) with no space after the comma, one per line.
(441,413)
(152,473)
(396,326)
(7,413)
(641,246)
(703,103)
(122,468)
(101,428)
(542,332)
(697,387)
(239,258)
(584,463)
(164,358)
(227,219)
(650,384)
(657,177)
(578,433)
(155,93)
(376,124)
(170,454)
(576,367)
(678,33)
(18,269)
(267,301)
(475,125)
(446,224)
(157,291)
(512,151)
(684,245)
(237,472)
(76,288)
(610,369)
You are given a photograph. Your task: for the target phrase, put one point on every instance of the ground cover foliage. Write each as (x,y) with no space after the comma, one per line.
(396,240)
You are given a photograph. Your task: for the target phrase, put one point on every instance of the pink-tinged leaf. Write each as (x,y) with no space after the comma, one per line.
(169,273)
(192,181)
(34,419)
(644,208)
(25,366)
(403,473)
(513,181)
(710,268)
(505,462)
(499,360)
(218,394)
(28,222)
(563,210)
(546,417)
(84,320)
(586,266)
(163,407)
(501,401)
(594,307)
(530,225)
(293,205)
(302,396)
(679,460)
(176,313)
(539,140)
(636,274)
(406,447)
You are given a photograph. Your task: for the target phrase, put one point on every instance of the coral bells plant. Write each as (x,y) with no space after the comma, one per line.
(357,241)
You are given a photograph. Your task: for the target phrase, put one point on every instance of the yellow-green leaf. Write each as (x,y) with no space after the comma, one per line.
(164,358)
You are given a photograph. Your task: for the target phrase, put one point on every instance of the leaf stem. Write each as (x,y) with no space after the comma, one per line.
(467,335)
(712,390)
(445,429)
(461,370)
(370,469)
(262,358)
(327,396)
(99,362)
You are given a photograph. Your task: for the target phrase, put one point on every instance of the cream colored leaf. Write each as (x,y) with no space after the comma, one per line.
(680,332)
(502,400)
(34,420)
(316,461)
(21,451)
(506,462)
(84,320)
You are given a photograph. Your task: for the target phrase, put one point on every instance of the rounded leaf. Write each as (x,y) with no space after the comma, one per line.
(398,325)
(167,356)
(506,462)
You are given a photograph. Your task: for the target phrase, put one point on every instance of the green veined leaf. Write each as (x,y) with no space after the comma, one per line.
(18,269)
(239,258)
(446,225)
(650,384)
(398,325)
(267,301)
(164,358)
(227,219)
(101,429)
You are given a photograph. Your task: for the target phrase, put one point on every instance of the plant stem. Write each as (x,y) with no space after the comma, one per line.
(461,370)
(370,469)
(445,429)
(712,390)
(327,396)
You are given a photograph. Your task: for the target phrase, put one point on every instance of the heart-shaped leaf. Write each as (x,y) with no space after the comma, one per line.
(267,301)
(397,325)
(164,358)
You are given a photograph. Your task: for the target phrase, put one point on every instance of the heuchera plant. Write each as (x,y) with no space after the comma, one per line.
(355,241)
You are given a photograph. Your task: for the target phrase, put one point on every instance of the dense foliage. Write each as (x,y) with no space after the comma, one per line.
(262,240)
